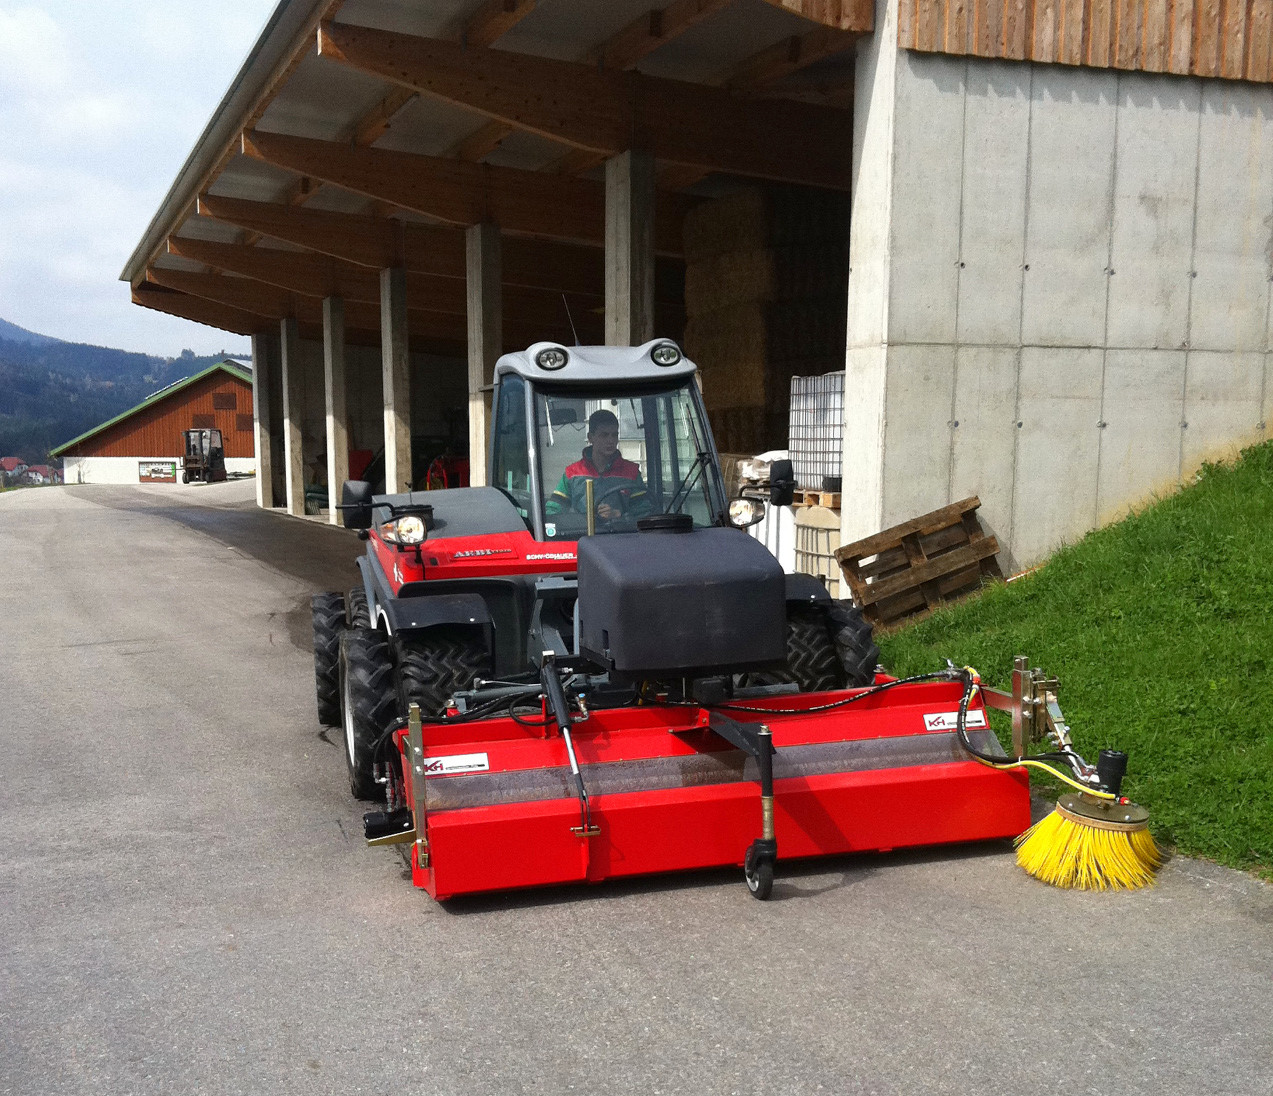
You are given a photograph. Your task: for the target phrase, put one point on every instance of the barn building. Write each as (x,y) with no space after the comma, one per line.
(1037,235)
(144,444)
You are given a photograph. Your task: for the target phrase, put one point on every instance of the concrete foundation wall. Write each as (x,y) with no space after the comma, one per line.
(1067,306)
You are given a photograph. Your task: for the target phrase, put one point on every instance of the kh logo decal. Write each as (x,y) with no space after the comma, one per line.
(457,763)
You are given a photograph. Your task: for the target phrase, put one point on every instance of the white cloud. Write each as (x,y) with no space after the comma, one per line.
(100,103)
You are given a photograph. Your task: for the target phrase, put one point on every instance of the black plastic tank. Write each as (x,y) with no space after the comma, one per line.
(666,603)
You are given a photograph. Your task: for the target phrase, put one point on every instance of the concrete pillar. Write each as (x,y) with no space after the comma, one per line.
(265,357)
(293,411)
(337,410)
(875,79)
(629,248)
(486,338)
(396,366)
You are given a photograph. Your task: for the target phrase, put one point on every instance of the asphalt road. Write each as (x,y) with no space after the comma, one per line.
(186,904)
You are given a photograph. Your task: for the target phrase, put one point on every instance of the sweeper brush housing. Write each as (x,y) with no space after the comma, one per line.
(657,605)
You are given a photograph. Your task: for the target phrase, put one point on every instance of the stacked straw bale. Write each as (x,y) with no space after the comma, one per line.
(766,288)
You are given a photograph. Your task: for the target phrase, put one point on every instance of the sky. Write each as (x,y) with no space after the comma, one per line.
(101,101)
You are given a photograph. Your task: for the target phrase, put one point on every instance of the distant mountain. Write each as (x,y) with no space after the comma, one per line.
(52,391)
(13,333)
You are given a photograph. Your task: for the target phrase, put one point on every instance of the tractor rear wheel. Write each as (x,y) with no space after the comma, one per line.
(328,612)
(433,668)
(828,647)
(368,704)
(356,607)
(811,657)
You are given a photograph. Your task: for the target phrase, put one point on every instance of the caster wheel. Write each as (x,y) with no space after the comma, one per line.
(759,875)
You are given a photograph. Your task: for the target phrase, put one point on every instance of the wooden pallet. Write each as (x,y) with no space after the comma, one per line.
(807,497)
(908,569)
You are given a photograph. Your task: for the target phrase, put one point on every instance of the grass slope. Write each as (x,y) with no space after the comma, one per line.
(1160,629)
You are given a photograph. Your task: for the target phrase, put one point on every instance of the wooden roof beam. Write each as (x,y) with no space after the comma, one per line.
(430,249)
(198,309)
(318,276)
(790,55)
(259,307)
(494,19)
(529,203)
(608,112)
(648,32)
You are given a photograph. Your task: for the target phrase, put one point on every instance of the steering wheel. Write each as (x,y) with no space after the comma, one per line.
(623,502)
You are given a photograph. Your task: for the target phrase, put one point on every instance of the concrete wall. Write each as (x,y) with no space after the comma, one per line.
(1059,297)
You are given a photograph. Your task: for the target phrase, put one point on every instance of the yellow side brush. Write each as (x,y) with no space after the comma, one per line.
(1091,844)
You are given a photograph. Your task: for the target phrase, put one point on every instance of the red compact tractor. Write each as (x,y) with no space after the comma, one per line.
(587,670)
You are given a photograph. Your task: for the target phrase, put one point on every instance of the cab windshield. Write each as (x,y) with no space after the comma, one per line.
(629,455)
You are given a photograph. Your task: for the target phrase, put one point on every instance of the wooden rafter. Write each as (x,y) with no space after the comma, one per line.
(198,309)
(319,276)
(373,125)
(790,55)
(648,32)
(480,142)
(494,19)
(607,112)
(522,202)
(490,22)
(429,249)
(247,306)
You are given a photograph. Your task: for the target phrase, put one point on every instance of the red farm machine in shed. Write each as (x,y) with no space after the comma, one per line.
(586,670)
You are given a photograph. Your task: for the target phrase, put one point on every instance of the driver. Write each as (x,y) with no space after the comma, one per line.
(602,459)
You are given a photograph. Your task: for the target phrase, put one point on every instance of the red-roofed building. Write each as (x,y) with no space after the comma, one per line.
(12,466)
(40,474)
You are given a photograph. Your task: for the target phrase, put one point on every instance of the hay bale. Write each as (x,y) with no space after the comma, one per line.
(767,275)
(735,222)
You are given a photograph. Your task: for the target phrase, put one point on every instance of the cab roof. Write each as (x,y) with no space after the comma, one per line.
(594,364)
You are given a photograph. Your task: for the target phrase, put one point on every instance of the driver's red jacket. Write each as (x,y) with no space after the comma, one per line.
(619,469)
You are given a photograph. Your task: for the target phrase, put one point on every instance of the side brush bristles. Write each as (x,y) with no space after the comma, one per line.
(1068,849)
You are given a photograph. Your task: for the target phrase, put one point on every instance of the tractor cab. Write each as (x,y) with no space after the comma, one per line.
(590,440)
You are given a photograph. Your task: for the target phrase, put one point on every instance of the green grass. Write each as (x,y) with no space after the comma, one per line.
(1160,629)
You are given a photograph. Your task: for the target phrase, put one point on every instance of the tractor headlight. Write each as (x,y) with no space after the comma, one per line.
(745,512)
(552,357)
(666,354)
(405,530)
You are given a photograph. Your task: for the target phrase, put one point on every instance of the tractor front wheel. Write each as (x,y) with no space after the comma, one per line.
(433,668)
(356,607)
(328,611)
(368,704)
(854,644)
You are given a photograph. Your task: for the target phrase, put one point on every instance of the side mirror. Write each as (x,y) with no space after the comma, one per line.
(355,504)
(782,483)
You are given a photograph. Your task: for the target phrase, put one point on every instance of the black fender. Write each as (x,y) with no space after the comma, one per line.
(402,615)
(806,589)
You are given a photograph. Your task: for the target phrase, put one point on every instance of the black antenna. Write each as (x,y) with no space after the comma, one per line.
(573,331)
